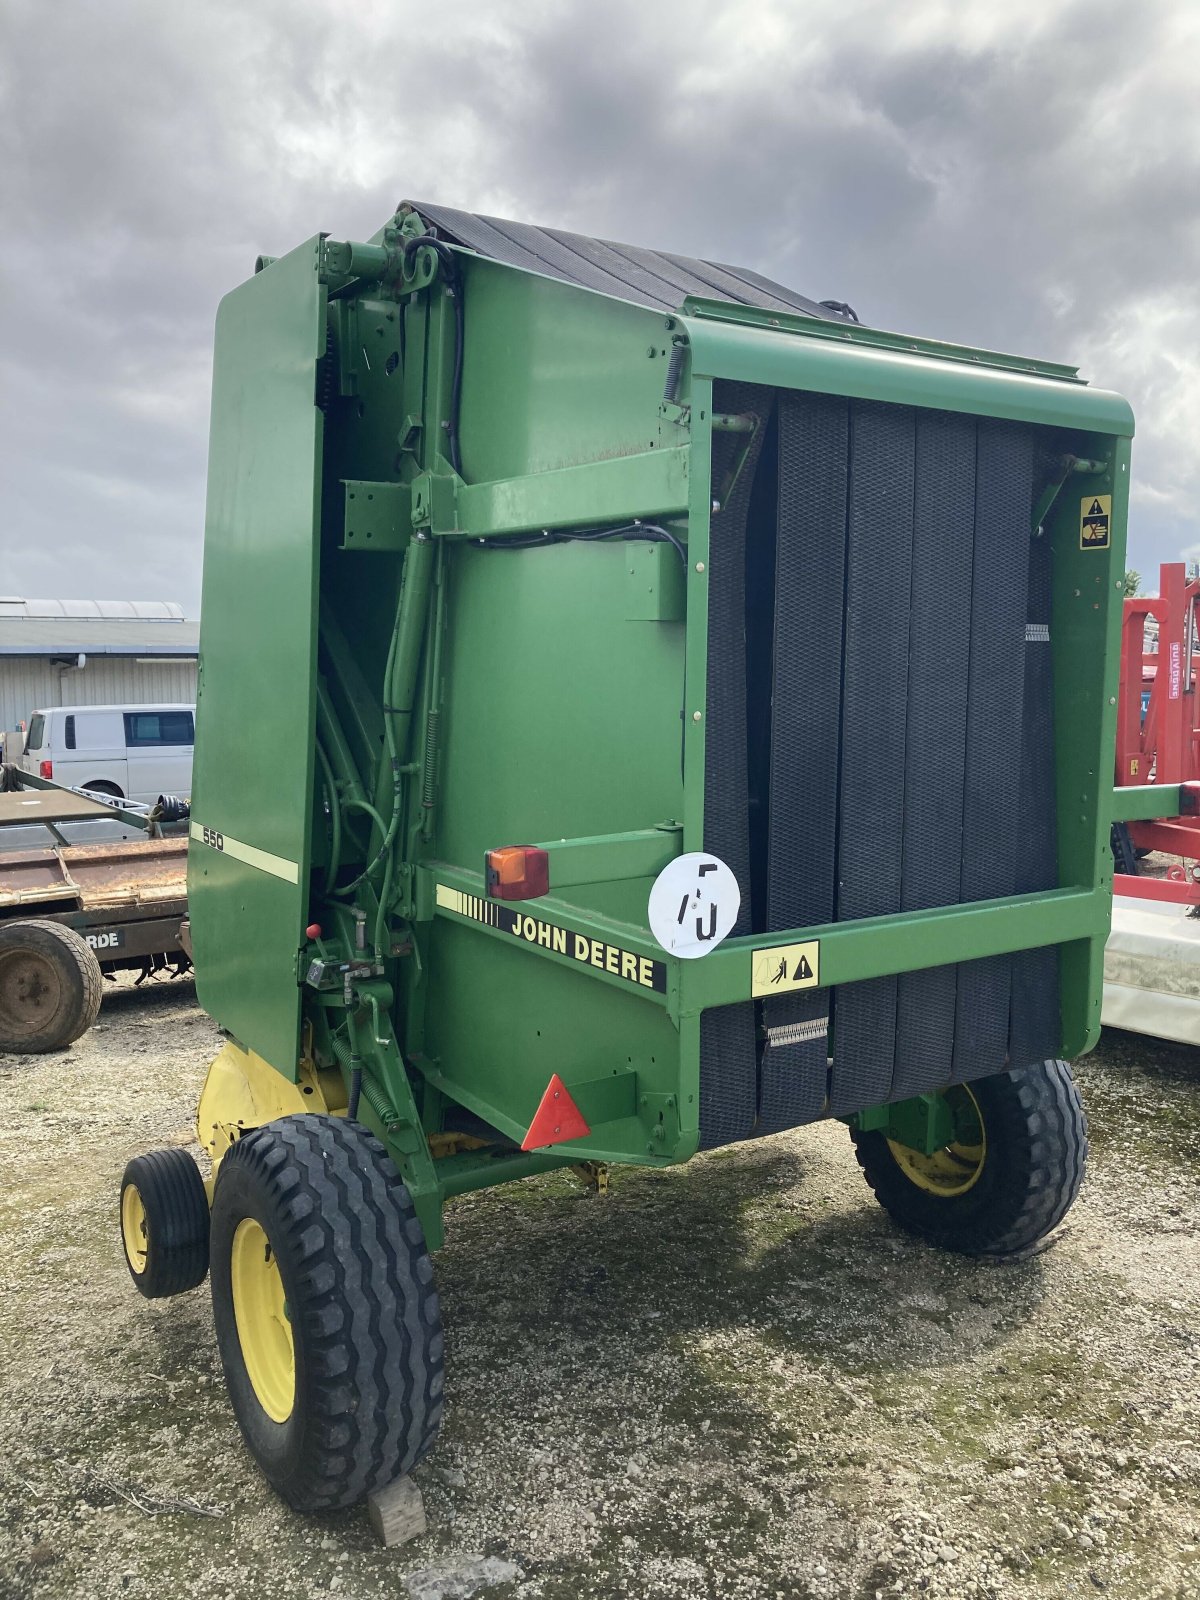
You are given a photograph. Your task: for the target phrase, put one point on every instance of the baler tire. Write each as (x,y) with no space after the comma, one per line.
(50,986)
(1034,1156)
(163,1204)
(352,1366)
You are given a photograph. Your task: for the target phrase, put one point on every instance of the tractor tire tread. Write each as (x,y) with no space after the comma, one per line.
(176,1205)
(371,1320)
(1035,1120)
(83,974)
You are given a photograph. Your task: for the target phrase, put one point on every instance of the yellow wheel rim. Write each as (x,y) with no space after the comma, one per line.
(955,1168)
(263,1326)
(133,1227)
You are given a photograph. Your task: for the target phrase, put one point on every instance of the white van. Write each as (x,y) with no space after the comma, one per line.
(130,752)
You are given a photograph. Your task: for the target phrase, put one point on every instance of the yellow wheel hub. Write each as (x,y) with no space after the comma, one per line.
(955,1168)
(133,1227)
(264,1328)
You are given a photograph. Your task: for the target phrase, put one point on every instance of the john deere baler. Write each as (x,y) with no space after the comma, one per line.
(641,709)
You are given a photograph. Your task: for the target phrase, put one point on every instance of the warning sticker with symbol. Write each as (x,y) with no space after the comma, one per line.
(1095,515)
(786,967)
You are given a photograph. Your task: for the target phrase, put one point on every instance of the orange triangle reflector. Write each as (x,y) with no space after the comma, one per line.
(558,1118)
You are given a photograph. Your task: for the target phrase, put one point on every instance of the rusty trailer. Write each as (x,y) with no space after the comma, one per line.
(72,914)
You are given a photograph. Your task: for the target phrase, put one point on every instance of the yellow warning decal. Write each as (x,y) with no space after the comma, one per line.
(1095,520)
(785,967)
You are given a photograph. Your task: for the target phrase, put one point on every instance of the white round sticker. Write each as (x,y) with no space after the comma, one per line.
(693,905)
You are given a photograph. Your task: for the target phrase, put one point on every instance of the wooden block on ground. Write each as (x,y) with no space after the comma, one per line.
(397,1513)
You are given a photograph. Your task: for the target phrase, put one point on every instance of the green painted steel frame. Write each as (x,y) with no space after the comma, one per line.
(375,1016)
(252,791)
(1085,630)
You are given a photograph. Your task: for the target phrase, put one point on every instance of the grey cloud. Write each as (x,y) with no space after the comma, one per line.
(1025,179)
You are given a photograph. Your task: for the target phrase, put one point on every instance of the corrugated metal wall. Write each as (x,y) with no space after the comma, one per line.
(29,683)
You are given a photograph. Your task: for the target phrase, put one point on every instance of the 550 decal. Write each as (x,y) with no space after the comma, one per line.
(252,855)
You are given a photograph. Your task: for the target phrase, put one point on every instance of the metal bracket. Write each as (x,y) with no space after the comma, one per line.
(660,1112)
(612,857)
(656,583)
(924,1123)
(409,435)
(734,470)
(435,502)
(378,515)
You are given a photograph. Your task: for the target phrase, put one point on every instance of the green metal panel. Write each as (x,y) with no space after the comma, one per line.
(1085,628)
(556,376)
(562,719)
(795,359)
(860,333)
(252,786)
(906,942)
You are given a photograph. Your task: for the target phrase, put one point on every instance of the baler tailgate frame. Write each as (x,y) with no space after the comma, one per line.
(252,802)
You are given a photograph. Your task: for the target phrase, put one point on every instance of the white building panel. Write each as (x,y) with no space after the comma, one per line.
(133,653)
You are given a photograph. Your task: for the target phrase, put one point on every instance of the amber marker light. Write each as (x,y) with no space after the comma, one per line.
(517,872)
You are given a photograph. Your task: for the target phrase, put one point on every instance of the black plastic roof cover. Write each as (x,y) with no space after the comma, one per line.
(649,277)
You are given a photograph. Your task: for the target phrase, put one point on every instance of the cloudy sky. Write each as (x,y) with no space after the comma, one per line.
(1022,176)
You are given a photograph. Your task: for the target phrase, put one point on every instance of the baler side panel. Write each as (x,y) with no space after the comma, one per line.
(561,721)
(562,694)
(253,779)
(555,376)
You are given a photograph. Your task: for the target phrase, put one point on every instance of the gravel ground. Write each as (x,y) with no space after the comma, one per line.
(733,1379)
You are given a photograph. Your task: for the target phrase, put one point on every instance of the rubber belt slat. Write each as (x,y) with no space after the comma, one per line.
(995,709)
(805,734)
(874,718)
(1035,1024)
(728,1053)
(935,761)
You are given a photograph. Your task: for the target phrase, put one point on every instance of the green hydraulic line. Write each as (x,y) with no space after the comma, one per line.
(330,735)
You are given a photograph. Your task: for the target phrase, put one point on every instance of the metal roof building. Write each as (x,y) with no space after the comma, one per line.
(93,652)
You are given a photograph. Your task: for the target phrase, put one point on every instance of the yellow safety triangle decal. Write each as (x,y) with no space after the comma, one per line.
(785,967)
(1095,521)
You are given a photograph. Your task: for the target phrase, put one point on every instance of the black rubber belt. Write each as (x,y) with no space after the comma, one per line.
(1035,1025)
(995,709)
(874,720)
(805,735)
(939,657)
(728,1051)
